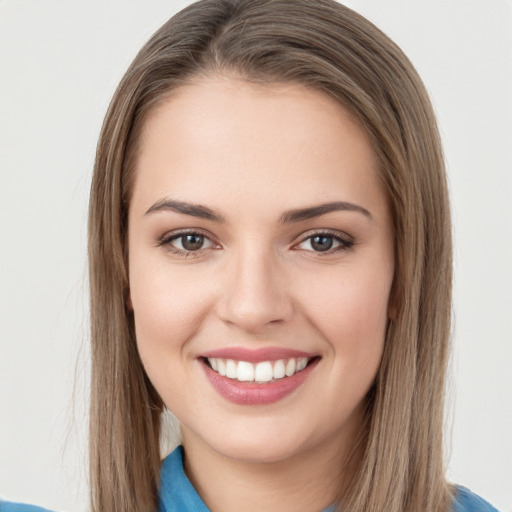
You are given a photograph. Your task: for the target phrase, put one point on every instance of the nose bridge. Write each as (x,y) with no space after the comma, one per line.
(257,292)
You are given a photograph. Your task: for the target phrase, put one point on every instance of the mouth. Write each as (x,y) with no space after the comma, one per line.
(262,372)
(257,377)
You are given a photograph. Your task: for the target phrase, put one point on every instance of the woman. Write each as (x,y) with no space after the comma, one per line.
(270,259)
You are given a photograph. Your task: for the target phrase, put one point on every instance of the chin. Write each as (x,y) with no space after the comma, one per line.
(267,442)
(257,451)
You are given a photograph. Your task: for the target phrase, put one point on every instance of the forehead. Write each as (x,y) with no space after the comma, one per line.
(220,138)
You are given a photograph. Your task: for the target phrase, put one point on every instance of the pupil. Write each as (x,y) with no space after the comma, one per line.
(321,243)
(192,242)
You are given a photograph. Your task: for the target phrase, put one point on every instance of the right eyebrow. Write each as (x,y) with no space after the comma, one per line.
(322,209)
(194,210)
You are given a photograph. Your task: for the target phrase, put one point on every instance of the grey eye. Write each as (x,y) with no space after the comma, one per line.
(324,242)
(190,242)
(321,243)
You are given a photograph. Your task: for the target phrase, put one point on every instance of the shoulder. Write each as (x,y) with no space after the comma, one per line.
(466,501)
(6,506)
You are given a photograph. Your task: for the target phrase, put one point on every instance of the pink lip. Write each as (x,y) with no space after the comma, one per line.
(251,393)
(256,355)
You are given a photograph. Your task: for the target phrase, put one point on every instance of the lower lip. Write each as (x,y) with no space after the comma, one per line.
(250,393)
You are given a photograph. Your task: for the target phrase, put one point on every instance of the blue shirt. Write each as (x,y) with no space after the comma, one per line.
(177,494)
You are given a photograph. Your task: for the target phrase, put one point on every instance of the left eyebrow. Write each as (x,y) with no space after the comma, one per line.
(322,209)
(194,210)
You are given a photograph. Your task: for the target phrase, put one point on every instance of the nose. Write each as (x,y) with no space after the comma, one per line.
(256,294)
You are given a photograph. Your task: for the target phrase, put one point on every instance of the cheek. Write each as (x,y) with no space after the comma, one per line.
(167,307)
(350,310)
(167,314)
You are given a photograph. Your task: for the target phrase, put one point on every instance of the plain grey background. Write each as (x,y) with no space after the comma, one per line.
(60,62)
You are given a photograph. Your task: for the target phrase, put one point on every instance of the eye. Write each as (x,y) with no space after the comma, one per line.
(186,242)
(325,242)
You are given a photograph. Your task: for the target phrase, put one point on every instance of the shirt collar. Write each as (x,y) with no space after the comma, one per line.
(177,494)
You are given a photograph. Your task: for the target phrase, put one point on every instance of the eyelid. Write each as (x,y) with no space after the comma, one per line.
(344,239)
(166,239)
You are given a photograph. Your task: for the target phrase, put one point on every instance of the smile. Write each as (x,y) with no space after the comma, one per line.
(264,371)
(257,377)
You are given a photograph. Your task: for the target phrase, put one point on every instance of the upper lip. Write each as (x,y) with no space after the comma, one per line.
(256,355)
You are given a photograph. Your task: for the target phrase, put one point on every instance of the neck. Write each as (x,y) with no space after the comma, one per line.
(309,481)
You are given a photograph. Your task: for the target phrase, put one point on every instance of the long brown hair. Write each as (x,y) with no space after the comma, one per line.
(328,47)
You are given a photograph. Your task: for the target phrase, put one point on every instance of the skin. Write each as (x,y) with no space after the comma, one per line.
(251,153)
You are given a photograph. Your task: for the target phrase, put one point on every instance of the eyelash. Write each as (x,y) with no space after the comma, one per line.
(345,243)
(166,241)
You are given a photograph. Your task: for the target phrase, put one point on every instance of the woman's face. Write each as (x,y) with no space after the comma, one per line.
(260,241)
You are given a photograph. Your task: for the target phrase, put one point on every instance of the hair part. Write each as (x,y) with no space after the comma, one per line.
(325,46)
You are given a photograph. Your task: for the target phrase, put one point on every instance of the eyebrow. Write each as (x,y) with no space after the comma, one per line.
(300,214)
(195,210)
(322,209)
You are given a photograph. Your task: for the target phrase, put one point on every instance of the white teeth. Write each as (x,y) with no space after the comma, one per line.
(264,371)
(279,369)
(231,369)
(221,367)
(245,372)
(290,367)
(301,363)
